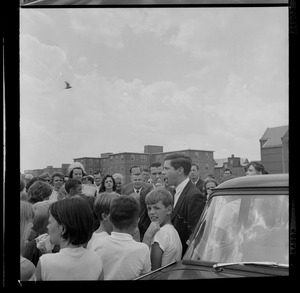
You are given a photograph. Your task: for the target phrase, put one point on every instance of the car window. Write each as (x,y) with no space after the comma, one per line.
(243,228)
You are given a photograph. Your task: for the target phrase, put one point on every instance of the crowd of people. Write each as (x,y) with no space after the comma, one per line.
(89,227)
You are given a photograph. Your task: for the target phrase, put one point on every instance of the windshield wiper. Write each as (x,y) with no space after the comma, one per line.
(256,263)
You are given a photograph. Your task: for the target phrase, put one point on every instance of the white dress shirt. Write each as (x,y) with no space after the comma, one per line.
(179,189)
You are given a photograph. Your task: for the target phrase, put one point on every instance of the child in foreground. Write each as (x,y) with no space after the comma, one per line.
(123,258)
(161,236)
(71,227)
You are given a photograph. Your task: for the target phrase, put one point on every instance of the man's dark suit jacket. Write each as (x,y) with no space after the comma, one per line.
(200,184)
(144,218)
(187,212)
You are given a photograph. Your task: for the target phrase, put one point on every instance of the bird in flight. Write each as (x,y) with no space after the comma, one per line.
(67,85)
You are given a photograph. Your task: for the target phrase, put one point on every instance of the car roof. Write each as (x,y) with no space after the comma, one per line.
(266,180)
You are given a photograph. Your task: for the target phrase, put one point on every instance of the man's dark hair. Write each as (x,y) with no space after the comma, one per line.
(72,184)
(134,166)
(180,160)
(196,165)
(156,164)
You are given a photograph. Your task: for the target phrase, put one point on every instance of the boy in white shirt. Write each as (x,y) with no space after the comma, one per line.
(123,258)
(161,236)
(101,209)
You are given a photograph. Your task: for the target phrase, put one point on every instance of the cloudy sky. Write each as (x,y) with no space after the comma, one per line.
(199,78)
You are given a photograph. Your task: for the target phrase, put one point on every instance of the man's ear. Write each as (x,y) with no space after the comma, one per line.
(180,170)
(104,216)
(169,209)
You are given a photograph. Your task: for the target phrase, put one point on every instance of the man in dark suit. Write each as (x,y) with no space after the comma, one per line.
(189,202)
(195,176)
(140,189)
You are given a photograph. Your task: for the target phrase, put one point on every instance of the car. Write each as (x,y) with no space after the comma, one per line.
(242,232)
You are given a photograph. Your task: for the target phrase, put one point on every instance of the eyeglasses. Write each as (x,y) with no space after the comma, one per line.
(209,188)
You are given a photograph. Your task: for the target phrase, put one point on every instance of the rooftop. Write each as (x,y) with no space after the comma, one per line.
(273,136)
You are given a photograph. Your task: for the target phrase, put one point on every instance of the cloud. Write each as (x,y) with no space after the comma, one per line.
(38,59)
(180,78)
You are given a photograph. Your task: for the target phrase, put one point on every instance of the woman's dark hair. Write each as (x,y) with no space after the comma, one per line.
(258,167)
(91,201)
(76,216)
(71,173)
(102,188)
(30,182)
(180,160)
(39,191)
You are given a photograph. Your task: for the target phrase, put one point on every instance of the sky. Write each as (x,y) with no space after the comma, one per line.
(184,78)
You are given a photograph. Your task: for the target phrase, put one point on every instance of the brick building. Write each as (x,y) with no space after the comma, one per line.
(235,164)
(50,169)
(110,163)
(274,146)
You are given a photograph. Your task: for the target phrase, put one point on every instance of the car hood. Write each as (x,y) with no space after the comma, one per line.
(186,271)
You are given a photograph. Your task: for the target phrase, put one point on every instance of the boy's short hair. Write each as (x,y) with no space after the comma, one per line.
(124,210)
(76,216)
(72,183)
(157,194)
(103,202)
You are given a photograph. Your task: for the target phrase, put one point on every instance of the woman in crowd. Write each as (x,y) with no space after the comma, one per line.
(71,227)
(39,191)
(255,168)
(75,171)
(27,268)
(208,185)
(57,180)
(40,222)
(108,184)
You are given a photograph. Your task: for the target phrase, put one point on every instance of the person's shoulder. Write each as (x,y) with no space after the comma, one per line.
(27,268)
(142,246)
(127,187)
(167,229)
(100,239)
(147,186)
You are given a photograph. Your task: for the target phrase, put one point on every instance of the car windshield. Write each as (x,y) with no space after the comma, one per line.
(243,229)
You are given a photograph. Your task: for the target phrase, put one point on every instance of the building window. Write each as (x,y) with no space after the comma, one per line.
(111,158)
(122,157)
(117,158)
(196,155)
(132,158)
(91,161)
(206,155)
